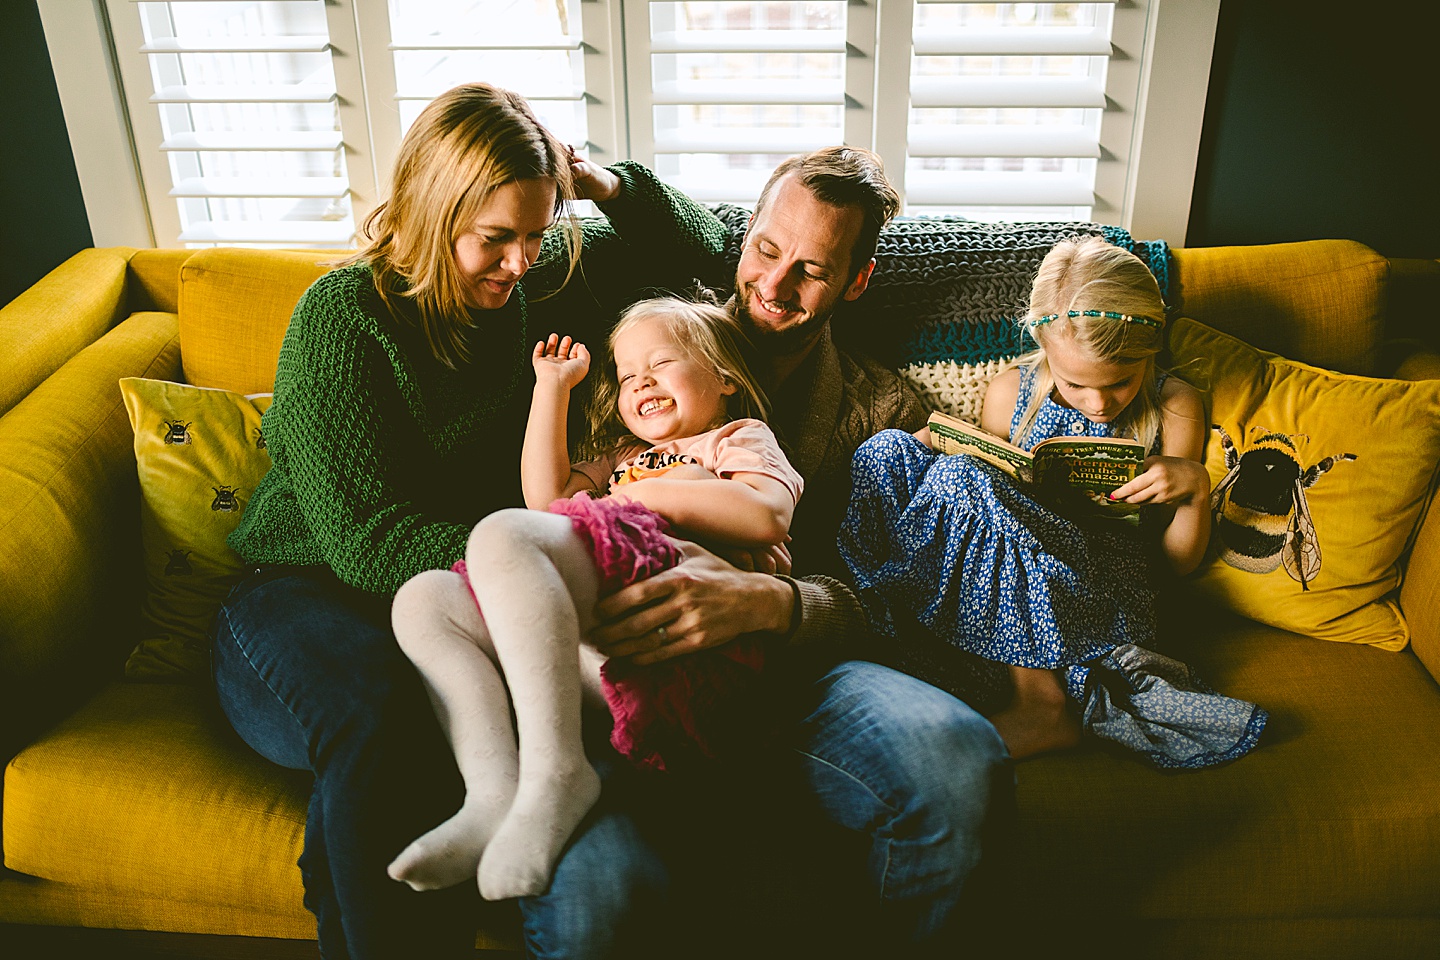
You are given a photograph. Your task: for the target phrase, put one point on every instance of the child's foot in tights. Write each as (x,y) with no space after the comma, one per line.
(1038,720)
(522,855)
(450,853)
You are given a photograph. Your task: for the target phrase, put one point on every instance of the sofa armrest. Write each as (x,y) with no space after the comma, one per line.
(69,526)
(67,310)
(1420,593)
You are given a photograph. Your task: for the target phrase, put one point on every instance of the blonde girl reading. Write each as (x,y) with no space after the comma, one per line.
(677,442)
(949,546)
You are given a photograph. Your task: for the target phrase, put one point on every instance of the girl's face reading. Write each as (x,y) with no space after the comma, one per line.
(665,394)
(497,249)
(1099,389)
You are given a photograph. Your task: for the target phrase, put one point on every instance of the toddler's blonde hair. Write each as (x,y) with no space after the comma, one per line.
(708,334)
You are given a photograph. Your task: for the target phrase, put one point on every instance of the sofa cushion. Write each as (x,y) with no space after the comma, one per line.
(235,305)
(146,791)
(1320,301)
(200,454)
(143,810)
(68,548)
(1335,814)
(50,322)
(1323,559)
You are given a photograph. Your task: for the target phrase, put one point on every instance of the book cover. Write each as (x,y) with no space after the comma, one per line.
(1072,473)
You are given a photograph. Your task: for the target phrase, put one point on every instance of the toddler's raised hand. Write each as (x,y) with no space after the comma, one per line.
(561,361)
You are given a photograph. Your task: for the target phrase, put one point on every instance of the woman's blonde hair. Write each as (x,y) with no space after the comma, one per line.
(708,334)
(466,143)
(1089,274)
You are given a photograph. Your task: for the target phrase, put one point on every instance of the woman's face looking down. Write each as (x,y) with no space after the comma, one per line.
(494,252)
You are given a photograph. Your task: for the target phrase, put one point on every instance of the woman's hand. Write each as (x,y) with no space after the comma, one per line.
(592,181)
(702,602)
(560,361)
(1172,480)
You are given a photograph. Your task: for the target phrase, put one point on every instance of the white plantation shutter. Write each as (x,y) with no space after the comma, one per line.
(1006,108)
(277,121)
(721,91)
(238,122)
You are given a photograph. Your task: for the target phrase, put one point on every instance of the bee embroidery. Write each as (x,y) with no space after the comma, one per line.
(1261,517)
(176,431)
(178,565)
(226,499)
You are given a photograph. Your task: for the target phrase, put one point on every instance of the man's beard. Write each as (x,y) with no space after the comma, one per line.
(774,342)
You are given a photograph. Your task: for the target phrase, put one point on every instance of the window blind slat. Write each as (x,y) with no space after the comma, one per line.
(749,41)
(305,44)
(298,140)
(1003,141)
(1033,42)
(742,140)
(261,187)
(1055,92)
(748,92)
(247,93)
(554,43)
(965,189)
(298,232)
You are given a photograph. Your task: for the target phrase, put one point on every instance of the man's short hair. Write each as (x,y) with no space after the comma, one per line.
(844,177)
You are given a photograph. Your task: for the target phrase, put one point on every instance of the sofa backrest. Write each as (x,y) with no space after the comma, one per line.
(234,307)
(1322,302)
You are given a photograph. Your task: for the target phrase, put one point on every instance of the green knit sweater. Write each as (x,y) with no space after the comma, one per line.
(383,457)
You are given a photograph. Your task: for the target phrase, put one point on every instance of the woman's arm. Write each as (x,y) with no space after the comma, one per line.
(545,473)
(745,509)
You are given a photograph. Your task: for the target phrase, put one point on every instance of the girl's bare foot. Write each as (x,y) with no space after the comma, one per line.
(1039,720)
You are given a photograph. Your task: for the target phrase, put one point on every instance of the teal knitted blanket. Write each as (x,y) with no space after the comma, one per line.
(949,289)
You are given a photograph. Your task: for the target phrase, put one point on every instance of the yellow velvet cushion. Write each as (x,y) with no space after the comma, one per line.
(1320,492)
(235,306)
(200,454)
(1320,301)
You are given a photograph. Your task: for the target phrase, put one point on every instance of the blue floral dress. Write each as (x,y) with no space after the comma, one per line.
(952,547)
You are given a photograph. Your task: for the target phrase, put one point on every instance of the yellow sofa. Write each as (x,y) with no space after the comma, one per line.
(133,807)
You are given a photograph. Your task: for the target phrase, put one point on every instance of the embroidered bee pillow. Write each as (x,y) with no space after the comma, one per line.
(200,454)
(1318,482)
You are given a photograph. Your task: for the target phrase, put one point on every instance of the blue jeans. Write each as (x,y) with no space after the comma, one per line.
(311,677)
(914,771)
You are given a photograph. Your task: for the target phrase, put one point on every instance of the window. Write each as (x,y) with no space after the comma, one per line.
(276,122)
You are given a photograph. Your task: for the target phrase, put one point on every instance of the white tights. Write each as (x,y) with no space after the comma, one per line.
(537,585)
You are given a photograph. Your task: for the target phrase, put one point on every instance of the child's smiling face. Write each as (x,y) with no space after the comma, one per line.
(1099,389)
(665,392)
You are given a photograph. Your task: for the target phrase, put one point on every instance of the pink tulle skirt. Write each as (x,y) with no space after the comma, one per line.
(679,708)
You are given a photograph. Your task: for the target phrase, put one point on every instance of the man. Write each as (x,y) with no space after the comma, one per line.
(896,760)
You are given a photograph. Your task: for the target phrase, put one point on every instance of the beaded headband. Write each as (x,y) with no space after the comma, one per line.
(1072,314)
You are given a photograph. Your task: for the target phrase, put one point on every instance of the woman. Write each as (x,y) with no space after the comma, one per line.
(400,404)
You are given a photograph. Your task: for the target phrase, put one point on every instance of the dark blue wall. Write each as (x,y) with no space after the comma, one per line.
(43,220)
(1320,123)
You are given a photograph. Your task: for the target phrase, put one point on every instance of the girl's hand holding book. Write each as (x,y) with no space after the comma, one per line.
(1172,480)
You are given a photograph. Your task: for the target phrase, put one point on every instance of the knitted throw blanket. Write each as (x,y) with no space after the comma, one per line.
(944,303)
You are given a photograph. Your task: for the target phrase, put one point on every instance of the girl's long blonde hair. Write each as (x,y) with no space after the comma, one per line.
(1090,274)
(708,334)
(466,143)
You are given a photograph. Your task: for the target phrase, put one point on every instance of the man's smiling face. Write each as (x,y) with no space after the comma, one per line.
(795,267)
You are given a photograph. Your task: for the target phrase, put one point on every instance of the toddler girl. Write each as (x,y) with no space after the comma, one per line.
(950,543)
(676,440)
